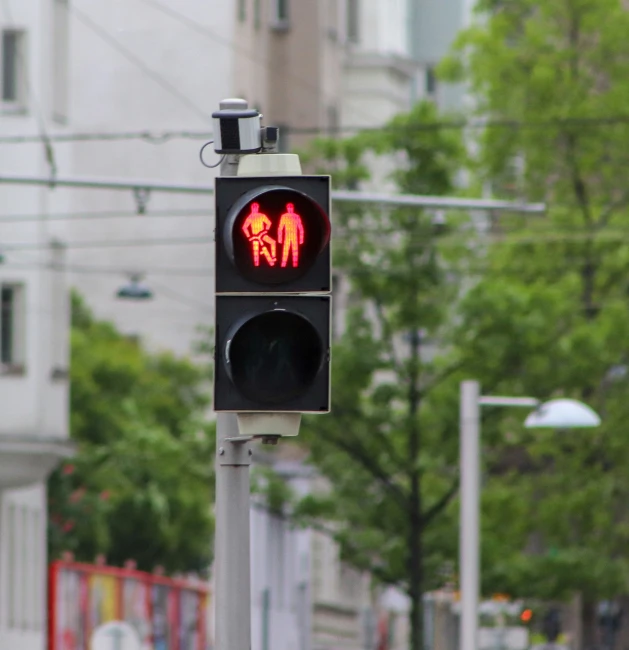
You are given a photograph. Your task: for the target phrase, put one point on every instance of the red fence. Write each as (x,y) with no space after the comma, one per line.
(167,614)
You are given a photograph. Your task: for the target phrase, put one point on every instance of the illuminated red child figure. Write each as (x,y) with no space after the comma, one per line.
(291,234)
(256,229)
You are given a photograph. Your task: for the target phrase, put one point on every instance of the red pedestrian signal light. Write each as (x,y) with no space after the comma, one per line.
(273,234)
(277,236)
(526,615)
(290,235)
(256,229)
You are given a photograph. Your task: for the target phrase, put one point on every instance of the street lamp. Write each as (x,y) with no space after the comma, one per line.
(134,290)
(558,414)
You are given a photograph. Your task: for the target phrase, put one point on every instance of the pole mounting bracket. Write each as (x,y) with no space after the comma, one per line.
(235,451)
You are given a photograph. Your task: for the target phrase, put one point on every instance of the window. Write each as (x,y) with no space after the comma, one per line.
(242,10)
(257,14)
(431,80)
(353,20)
(11,326)
(12,66)
(60,61)
(280,13)
(282,10)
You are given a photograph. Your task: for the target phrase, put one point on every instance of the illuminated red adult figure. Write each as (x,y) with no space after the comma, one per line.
(291,234)
(256,229)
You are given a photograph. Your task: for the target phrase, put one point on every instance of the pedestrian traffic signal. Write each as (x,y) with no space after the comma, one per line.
(272,304)
(272,354)
(273,234)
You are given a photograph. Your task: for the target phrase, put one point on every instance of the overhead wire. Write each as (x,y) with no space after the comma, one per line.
(610,235)
(105,36)
(470,271)
(165,136)
(108,270)
(113,243)
(95,215)
(153,138)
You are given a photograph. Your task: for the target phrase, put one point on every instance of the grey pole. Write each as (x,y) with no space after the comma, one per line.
(469,514)
(232,541)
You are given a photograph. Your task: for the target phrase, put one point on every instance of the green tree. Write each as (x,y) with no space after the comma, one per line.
(140,486)
(389,449)
(551,77)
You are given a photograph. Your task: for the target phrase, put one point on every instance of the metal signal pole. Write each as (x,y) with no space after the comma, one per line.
(232,538)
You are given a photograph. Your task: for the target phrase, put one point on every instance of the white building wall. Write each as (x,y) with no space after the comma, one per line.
(187,57)
(33,383)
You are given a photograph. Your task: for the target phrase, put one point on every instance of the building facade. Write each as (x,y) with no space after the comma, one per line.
(157,68)
(129,84)
(289,64)
(380,73)
(33,318)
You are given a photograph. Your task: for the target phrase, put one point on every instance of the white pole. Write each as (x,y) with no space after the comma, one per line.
(469,555)
(232,538)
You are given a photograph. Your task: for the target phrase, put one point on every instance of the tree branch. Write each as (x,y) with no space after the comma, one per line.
(444,374)
(440,505)
(359,453)
(603,220)
(354,413)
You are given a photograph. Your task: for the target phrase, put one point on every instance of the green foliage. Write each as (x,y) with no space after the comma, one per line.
(387,431)
(140,485)
(539,306)
(548,314)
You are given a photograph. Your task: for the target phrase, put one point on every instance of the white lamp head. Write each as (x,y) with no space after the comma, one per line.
(562,414)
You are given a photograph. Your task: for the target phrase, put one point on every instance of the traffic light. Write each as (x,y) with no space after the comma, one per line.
(273,234)
(272,294)
(526,615)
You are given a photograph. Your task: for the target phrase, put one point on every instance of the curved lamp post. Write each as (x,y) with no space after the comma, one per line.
(556,414)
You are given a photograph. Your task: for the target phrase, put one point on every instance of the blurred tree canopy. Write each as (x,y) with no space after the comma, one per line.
(141,484)
(551,310)
(528,305)
(389,447)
